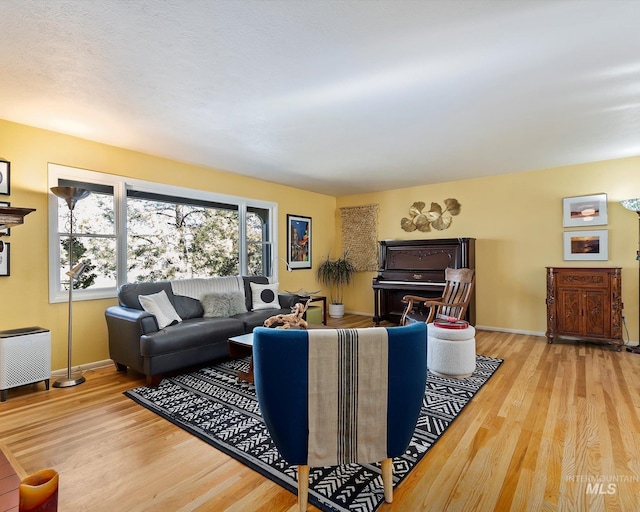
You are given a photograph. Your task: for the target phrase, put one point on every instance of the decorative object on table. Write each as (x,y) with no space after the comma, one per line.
(634,206)
(336,274)
(71,195)
(10,217)
(5,178)
(360,236)
(586,245)
(294,319)
(450,322)
(302,292)
(584,211)
(39,492)
(435,217)
(226,416)
(298,242)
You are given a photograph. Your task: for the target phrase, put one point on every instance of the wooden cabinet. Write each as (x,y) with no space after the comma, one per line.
(585,303)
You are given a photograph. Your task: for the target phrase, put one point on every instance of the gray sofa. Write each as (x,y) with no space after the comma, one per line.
(136,341)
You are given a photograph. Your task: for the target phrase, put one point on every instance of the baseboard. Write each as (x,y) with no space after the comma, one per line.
(504,329)
(481,327)
(83,367)
(359,313)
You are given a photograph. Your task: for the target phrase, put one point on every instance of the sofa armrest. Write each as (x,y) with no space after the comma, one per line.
(126,326)
(144,321)
(288,300)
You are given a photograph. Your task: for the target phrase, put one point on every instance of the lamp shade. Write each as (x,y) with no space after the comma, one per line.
(631,204)
(70,194)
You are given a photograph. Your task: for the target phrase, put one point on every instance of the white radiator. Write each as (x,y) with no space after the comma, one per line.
(25,357)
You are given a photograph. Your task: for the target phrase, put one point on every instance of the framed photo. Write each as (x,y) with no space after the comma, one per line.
(4,260)
(5,232)
(298,241)
(586,245)
(584,211)
(5,174)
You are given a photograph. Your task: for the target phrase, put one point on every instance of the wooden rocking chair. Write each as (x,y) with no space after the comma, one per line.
(453,302)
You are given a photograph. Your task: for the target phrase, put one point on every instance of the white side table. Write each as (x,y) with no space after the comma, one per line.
(25,358)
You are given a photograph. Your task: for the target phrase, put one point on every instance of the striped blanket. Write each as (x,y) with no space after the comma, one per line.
(348,381)
(199,287)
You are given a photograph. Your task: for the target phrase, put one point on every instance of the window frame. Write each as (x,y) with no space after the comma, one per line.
(120,186)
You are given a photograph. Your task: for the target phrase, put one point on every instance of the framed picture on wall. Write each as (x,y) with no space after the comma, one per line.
(5,232)
(5,174)
(586,245)
(4,260)
(584,211)
(298,241)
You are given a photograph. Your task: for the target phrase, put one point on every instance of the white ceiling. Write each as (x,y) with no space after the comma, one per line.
(335,96)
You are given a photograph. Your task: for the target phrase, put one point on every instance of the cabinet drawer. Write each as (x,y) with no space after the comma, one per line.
(583,280)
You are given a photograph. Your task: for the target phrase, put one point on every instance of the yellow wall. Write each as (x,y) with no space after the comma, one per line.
(24,295)
(517,221)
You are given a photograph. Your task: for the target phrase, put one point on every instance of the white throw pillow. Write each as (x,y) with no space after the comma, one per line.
(264,296)
(158,304)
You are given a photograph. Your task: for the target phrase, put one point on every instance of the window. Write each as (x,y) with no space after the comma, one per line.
(129,230)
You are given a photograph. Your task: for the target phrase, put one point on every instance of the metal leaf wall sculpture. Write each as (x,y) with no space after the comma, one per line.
(435,217)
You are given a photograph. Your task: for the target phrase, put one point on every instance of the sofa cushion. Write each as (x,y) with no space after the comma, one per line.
(223,304)
(253,319)
(128,293)
(188,307)
(247,288)
(159,306)
(264,296)
(189,334)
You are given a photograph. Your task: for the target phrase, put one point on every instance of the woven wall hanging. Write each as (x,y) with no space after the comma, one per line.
(360,236)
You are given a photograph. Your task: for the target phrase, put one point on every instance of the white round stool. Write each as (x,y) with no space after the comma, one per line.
(451,352)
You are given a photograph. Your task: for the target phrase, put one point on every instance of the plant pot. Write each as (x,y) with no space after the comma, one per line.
(336,310)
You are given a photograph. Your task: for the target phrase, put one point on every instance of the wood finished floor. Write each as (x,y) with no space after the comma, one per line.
(553,423)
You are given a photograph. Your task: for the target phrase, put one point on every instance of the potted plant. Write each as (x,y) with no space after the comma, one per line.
(336,274)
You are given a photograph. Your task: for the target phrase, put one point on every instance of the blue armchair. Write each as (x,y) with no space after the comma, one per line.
(340,396)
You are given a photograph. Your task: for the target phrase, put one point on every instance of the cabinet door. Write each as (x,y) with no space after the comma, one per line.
(569,311)
(597,313)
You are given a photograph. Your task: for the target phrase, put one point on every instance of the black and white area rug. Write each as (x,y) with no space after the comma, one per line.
(213,405)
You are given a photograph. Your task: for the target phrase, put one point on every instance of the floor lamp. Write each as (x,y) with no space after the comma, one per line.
(71,195)
(634,206)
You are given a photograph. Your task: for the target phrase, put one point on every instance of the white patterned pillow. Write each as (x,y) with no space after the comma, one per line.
(223,304)
(158,304)
(264,296)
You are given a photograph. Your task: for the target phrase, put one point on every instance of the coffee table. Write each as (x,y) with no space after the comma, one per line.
(242,346)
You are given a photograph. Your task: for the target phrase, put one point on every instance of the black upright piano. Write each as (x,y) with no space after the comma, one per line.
(416,267)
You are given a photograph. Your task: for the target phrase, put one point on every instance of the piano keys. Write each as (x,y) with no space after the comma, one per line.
(416,267)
